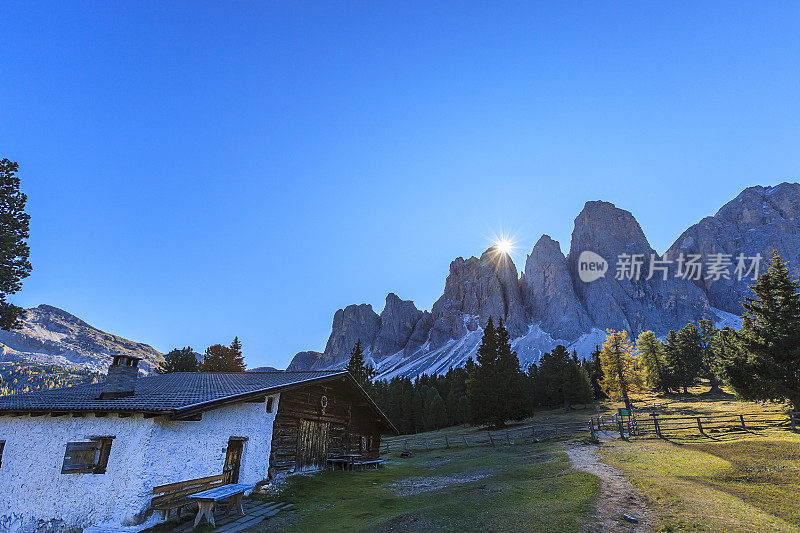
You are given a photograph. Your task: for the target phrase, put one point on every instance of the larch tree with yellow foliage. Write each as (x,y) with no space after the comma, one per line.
(620,364)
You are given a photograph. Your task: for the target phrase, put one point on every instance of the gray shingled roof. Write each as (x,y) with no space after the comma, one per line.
(176,393)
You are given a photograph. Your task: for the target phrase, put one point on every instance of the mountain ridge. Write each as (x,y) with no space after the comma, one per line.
(548,304)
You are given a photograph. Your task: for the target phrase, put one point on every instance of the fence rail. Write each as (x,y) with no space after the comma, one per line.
(666,426)
(641,425)
(513,435)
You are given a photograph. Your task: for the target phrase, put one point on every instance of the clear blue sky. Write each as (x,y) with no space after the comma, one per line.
(204,170)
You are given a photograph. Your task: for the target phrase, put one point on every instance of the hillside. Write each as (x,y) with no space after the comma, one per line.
(56,348)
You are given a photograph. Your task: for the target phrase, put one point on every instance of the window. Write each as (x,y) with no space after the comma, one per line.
(90,456)
(2,445)
(362,444)
(270,403)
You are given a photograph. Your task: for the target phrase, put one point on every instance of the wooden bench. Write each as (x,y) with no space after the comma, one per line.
(176,495)
(208,498)
(339,461)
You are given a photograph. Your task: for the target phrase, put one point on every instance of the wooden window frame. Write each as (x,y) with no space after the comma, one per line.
(270,403)
(95,451)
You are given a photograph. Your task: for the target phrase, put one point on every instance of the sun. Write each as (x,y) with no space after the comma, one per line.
(504,246)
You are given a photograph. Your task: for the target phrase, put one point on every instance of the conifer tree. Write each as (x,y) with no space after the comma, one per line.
(180,360)
(435,410)
(767,365)
(482,384)
(512,396)
(709,359)
(686,369)
(219,358)
(595,372)
(672,361)
(357,368)
(620,373)
(560,380)
(651,349)
(14,250)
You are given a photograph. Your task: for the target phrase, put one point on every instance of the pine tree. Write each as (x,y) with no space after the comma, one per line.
(767,364)
(512,396)
(14,249)
(357,368)
(651,349)
(709,360)
(180,360)
(672,361)
(686,369)
(219,358)
(482,384)
(560,380)
(620,373)
(435,410)
(595,372)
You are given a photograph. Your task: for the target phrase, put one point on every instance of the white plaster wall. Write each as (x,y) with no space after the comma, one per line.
(36,496)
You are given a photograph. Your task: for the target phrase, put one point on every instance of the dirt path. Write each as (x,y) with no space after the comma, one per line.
(617,497)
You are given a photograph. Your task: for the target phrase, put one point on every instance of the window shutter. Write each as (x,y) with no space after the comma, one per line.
(80,457)
(102,456)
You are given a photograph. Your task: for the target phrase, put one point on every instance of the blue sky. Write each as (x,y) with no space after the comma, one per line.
(197,170)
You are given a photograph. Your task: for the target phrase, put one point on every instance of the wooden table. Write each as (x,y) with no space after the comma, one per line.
(208,498)
(344,459)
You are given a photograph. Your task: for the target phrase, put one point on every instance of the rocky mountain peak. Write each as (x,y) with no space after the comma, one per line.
(397,321)
(475,289)
(756,222)
(628,301)
(549,294)
(351,324)
(604,228)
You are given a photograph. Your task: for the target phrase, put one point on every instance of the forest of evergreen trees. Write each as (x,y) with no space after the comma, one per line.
(490,390)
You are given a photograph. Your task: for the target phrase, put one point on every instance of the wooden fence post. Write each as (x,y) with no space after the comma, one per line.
(466,443)
(621,429)
(446,442)
(793,420)
(700,425)
(508,438)
(591,428)
(491,441)
(741,419)
(657,425)
(405,445)
(427,445)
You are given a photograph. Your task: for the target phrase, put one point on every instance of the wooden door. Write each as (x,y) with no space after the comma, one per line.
(312,443)
(233,460)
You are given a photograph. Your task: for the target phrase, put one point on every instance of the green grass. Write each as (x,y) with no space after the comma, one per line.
(726,482)
(529,487)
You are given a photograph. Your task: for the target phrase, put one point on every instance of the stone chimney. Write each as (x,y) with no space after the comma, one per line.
(121,379)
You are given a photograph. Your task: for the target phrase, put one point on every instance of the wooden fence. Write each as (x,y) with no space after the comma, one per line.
(661,426)
(639,425)
(512,435)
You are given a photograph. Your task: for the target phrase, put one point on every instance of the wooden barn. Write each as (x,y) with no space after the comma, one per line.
(329,417)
